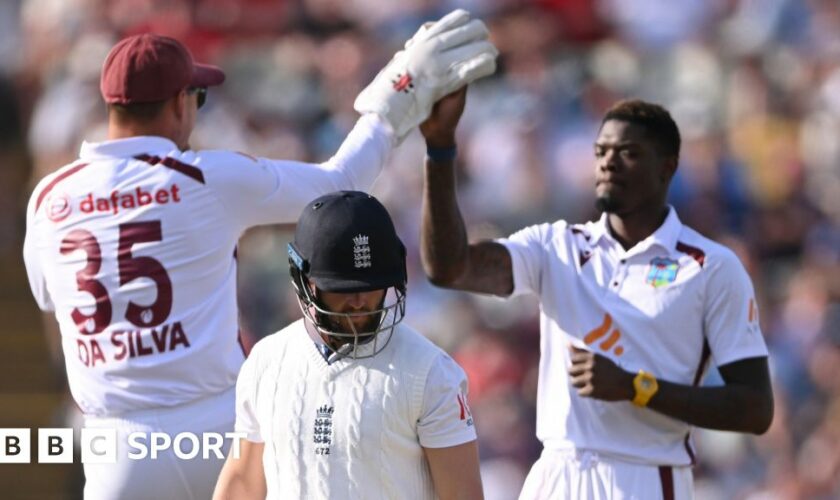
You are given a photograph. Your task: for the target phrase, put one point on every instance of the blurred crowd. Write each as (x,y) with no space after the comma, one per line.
(753,84)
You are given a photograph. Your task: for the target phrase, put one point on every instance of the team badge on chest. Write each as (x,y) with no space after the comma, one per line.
(662,272)
(323,430)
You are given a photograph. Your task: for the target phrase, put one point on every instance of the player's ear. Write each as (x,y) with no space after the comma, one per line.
(669,168)
(179,104)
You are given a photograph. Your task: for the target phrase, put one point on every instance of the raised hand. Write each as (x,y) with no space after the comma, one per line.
(439,128)
(439,59)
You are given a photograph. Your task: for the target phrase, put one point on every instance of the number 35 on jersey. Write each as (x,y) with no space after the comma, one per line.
(151,334)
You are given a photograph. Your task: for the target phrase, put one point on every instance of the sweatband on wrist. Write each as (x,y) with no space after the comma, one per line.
(441,155)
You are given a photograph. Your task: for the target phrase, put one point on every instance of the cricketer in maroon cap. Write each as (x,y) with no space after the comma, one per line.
(153,87)
(131,249)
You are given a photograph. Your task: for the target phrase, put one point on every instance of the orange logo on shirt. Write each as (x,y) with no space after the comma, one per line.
(608,343)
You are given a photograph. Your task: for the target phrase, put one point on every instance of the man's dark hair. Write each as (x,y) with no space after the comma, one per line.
(142,112)
(655,119)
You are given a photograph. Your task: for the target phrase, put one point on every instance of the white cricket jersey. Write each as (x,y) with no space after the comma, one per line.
(134,247)
(664,306)
(351,428)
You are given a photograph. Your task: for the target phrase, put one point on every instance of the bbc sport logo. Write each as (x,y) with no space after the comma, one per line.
(100,446)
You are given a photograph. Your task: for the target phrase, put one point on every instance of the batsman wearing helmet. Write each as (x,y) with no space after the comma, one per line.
(348,402)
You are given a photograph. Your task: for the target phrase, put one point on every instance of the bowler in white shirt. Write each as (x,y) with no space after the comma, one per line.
(633,307)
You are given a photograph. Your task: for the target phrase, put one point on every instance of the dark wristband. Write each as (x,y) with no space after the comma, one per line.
(441,155)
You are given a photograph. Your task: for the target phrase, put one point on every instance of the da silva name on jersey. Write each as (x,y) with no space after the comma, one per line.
(128,344)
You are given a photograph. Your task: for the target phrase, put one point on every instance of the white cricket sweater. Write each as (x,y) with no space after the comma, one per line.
(355,428)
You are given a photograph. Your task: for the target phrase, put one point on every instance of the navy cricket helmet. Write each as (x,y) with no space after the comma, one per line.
(345,242)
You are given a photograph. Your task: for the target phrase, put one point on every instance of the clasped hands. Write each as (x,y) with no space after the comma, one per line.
(597,376)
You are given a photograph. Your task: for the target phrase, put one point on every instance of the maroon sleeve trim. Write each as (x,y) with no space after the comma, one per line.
(188,170)
(687,444)
(666,478)
(694,252)
(698,374)
(58,178)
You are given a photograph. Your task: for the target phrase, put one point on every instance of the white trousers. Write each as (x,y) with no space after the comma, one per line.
(168,476)
(586,475)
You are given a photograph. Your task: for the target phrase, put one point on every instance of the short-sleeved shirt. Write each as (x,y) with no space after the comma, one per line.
(134,248)
(351,428)
(666,306)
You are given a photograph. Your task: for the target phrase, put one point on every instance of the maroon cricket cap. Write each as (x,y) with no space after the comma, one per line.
(149,68)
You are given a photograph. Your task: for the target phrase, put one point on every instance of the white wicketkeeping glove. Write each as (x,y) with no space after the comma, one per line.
(438,60)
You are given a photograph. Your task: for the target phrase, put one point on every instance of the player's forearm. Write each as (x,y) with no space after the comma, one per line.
(444,244)
(731,407)
(744,404)
(455,471)
(288,186)
(238,486)
(242,477)
(360,159)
